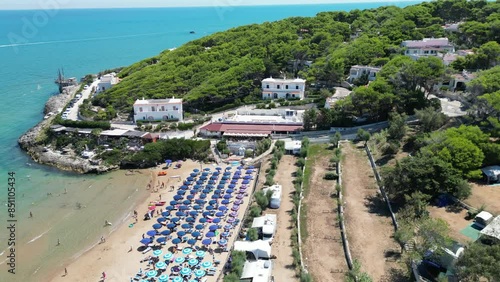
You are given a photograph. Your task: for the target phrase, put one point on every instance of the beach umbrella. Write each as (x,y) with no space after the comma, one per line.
(231,186)
(179,213)
(199,273)
(181,193)
(161,240)
(186,202)
(151,233)
(193,262)
(180,260)
(235,208)
(218,168)
(165,213)
(184,187)
(206,169)
(161,265)
(168,208)
(233,214)
(220,186)
(151,273)
(249,171)
(218,191)
(183,208)
(176,241)
(205,214)
(178,197)
(190,178)
(229,191)
(216,220)
(213,177)
(168,256)
(200,254)
(197,207)
(188,182)
(235,178)
(227,196)
(199,182)
(177,279)
(225,234)
(227,226)
(206,242)
(185,271)
(240,196)
(145,241)
(206,264)
(199,227)
(157,253)
(251,167)
(224,178)
(210,234)
(166,232)
(173,203)
(226,173)
(223,242)
(196,234)
(190,219)
(163,278)
(213,227)
(187,251)
(228,168)
(209,208)
(215,196)
(181,233)
(212,202)
(206,191)
(211,181)
(203,177)
(222,208)
(170,225)
(245,181)
(225,202)
(186,226)
(219,214)
(161,219)
(191,242)
(199,201)
(175,219)
(203,196)
(247,177)
(230,220)
(193,174)
(190,197)
(238,202)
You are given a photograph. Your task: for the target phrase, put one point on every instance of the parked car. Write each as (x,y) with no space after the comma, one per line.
(78,96)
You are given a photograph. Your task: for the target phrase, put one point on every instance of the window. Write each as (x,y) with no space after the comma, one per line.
(267,86)
(286,86)
(140,109)
(153,109)
(297,87)
(278,86)
(162,108)
(293,95)
(176,108)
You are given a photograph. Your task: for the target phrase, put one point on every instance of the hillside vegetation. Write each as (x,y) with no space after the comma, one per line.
(225,68)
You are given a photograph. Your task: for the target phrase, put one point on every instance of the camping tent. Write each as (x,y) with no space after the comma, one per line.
(259,248)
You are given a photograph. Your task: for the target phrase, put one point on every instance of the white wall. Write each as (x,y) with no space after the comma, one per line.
(155,112)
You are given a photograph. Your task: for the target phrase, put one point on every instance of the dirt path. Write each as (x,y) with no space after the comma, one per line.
(283,266)
(487,195)
(369,228)
(323,252)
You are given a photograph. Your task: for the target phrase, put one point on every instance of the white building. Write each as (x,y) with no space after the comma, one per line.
(359,71)
(106,82)
(275,200)
(293,147)
(266,225)
(276,88)
(158,109)
(427,47)
(491,233)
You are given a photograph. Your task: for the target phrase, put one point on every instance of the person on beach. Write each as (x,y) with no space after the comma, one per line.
(107,223)
(65,272)
(103,275)
(160,197)
(31,214)
(58,242)
(103,240)
(130,250)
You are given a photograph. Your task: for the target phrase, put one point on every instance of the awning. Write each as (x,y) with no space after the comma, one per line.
(235,134)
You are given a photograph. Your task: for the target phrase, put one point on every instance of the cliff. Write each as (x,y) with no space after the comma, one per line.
(30,142)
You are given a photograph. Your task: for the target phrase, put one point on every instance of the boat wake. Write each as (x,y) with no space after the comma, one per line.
(78,40)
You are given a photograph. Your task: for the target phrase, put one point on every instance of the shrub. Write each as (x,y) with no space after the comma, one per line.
(331,176)
(253,234)
(301,162)
(255,211)
(261,199)
(83,123)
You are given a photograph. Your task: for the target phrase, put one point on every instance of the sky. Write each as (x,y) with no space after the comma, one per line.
(74,4)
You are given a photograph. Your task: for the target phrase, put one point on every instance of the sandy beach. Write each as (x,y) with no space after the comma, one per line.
(115,257)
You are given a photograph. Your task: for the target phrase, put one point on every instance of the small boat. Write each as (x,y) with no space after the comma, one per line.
(192,32)
(162,173)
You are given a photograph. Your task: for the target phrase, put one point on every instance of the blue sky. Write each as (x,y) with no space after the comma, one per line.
(71,4)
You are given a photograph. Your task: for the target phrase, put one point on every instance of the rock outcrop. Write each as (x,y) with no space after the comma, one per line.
(59,101)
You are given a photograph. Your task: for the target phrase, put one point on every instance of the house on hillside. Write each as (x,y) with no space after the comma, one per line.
(276,88)
(106,82)
(457,82)
(427,47)
(158,109)
(357,72)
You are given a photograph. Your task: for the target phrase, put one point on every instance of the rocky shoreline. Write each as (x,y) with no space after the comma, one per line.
(29,141)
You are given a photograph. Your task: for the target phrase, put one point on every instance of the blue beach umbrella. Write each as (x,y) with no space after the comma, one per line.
(161,265)
(190,219)
(218,168)
(151,273)
(168,256)
(212,202)
(196,170)
(199,201)
(191,241)
(177,279)
(179,213)
(225,234)
(186,202)
(199,227)
(251,167)
(226,173)
(166,232)
(186,226)
(170,225)
(157,253)
(161,240)
(206,242)
(227,196)
(187,251)
(211,181)
(224,178)
(145,241)
(213,227)
(216,220)
(199,182)
(185,271)
(229,191)
(231,186)
(199,273)
(175,219)
(180,259)
(245,182)
(193,213)
(206,264)
(161,219)
(206,191)
(223,242)
(184,187)
(183,208)
(163,278)
(181,233)
(215,196)
(196,234)
(205,214)
(200,254)
(219,214)
(206,169)
(218,191)
(210,235)
(203,196)
(193,262)
(165,213)
(173,203)
(181,192)
(197,207)
(169,208)
(151,233)
(225,202)
(190,178)
(222,208)
(209,208)
(178,197)
(176,241)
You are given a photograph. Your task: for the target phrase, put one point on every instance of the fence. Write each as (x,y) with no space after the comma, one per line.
(299,238)
(381,187)
(343,231)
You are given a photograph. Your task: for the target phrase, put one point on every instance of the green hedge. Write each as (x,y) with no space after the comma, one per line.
(83,123)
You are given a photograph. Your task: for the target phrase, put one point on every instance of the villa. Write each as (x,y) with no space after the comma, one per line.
(427,47)
(106,82)
(158,109)
(276,88)
(357,72)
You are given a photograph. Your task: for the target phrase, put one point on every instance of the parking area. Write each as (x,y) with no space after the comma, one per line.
(72,113)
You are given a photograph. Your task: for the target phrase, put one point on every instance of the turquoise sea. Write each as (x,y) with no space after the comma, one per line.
(33,45)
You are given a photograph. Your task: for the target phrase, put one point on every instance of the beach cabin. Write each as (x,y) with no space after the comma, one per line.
(483,218)
(255,250)
(266,226)
(275,200)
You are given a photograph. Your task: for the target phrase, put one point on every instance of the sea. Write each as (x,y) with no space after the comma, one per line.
(34,44)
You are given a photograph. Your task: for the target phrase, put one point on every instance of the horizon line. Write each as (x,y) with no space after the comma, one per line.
(341,2)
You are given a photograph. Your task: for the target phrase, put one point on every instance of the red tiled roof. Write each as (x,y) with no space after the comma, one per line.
(249,128)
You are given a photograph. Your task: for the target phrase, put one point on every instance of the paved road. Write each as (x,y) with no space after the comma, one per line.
(73,114)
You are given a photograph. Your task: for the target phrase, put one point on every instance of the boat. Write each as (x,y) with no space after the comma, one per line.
(192,32)
(162,173)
